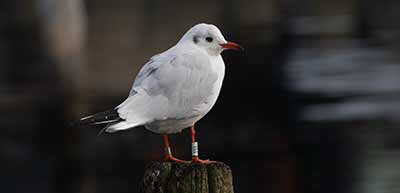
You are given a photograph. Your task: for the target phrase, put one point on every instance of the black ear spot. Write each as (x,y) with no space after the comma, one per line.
(195,39)
(209,39)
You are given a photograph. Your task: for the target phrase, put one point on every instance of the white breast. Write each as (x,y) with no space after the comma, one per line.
(218,68)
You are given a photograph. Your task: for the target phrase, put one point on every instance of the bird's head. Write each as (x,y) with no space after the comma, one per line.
(209,38)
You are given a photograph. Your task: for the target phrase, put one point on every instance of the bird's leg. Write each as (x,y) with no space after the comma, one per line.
(168,153)
(195,149)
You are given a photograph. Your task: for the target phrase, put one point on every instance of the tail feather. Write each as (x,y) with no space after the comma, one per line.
(110,116)
(122,125)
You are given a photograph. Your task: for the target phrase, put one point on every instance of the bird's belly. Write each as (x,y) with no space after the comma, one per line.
(187,113)
(172,125)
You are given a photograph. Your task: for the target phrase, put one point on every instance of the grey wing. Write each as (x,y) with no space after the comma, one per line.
(146,101)
(149,69)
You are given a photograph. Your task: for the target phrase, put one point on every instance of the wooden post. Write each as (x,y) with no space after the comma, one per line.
(167,177)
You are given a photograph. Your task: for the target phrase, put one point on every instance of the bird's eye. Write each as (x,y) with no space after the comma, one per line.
(209,39)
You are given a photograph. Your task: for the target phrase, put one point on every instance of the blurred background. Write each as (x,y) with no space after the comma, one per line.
(312,105)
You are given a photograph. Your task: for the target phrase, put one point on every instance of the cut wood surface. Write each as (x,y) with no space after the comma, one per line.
(167,177)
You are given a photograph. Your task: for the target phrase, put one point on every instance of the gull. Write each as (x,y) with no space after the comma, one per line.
(174,89)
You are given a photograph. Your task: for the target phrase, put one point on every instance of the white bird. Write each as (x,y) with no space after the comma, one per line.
(175,89)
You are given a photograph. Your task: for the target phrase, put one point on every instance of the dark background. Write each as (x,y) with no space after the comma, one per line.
(312,105)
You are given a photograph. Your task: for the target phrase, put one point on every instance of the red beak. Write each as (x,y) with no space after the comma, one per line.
(232,46)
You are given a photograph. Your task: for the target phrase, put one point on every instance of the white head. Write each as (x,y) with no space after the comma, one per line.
(209,38)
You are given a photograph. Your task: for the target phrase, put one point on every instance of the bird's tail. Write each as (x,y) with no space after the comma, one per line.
(109,116)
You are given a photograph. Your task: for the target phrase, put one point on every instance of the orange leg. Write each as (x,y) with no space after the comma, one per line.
(168,154)
(195,154)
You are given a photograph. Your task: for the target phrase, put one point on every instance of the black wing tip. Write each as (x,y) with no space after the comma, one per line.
(109,116)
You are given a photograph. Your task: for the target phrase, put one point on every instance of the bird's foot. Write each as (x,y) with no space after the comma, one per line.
(170,158)
(196,159)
